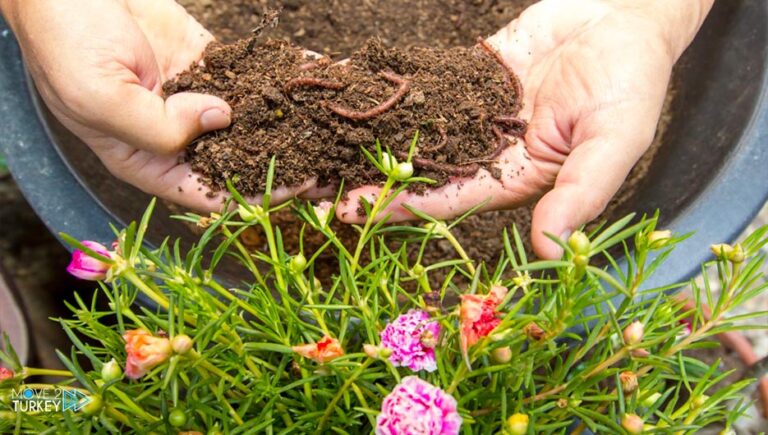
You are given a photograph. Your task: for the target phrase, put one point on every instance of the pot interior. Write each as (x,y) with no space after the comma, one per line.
(718,88)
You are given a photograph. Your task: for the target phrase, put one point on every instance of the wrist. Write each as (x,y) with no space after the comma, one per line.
(678,20)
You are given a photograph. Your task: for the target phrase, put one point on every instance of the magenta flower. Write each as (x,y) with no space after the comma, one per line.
(412,338)
(86,267)
(417,407)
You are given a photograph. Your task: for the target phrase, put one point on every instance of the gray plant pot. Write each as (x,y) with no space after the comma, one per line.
(709,177)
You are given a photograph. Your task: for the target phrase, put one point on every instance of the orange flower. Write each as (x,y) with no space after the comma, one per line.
(478,316)
(325,350)
(145,352)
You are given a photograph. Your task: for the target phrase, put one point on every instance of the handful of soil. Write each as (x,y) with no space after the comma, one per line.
(315,116)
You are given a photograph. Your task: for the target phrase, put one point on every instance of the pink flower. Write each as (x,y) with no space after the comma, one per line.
(325,350)
(5,374)
(417,407)
(478,316)
(145,352)
(86,267)
(412,338)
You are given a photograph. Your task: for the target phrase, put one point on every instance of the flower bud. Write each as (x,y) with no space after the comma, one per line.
(737,255)
(177,418)
(579,243)
(659,239)
(388,162)
(322,212)
(581,261)
(628,381)
(721,250)
(633,334)
(403,171)
(251,213)
(181,344)
(111,370)
(639,353)
(534,332)
(502,355)
(298,263)
(91,405)
(371,351)
(85,267)
(517,424)
(632,424)
(5,374)
(418,270)
(651,400)
(376,352)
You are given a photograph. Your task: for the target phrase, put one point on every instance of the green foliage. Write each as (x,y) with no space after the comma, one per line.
(242,376)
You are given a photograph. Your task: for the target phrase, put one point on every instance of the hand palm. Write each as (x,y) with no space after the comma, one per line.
(582,70)
(110,94)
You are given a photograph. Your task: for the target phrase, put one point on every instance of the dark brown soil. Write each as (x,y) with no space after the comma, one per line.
(314,116)
(339,27)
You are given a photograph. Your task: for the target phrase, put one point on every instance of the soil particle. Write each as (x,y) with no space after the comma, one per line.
(314,117)
(339,27)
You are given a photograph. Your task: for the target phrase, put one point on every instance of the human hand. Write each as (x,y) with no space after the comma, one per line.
(99,65)
(595,75)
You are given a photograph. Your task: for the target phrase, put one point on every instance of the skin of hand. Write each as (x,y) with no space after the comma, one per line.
(595,75)
(99,65)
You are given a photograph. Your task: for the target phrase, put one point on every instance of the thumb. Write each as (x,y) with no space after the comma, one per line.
(146,121)
(591,175)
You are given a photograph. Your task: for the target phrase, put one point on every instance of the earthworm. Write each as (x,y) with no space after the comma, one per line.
(314,64)
(515,83)
(518,126)
(441,144)
(312,82)
(501,145)
(466,169)
(405,87)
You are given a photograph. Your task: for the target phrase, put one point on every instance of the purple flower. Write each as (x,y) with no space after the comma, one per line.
(417,407)
(412,338)
(86,267)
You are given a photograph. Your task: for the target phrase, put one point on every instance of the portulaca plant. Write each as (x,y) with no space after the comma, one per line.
(381,345)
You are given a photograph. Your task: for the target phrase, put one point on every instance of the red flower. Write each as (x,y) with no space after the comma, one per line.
(5,374)
(325,350)
(478,316)
(145,352)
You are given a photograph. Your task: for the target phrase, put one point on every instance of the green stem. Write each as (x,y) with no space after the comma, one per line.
(369,222)
(119,416)
(160,300)
(28,371)
(459,249)
(267,226)
(136,409)
(332,406)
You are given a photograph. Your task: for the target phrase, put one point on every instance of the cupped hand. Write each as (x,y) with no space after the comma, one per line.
(595,75)
(99,65)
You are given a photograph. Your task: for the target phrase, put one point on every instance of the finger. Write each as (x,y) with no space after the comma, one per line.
(590,177)
(519,182)
(147,122)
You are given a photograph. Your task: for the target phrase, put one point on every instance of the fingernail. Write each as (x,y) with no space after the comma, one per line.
(214,119)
